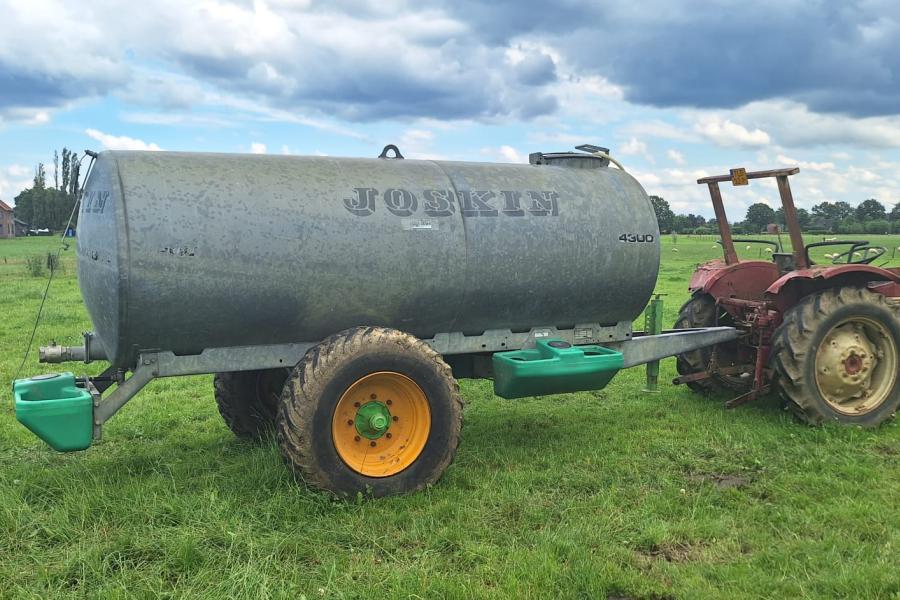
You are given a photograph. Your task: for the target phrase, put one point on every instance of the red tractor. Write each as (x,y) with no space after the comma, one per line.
(825,336)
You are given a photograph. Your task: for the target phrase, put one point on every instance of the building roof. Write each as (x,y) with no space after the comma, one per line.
(5,206)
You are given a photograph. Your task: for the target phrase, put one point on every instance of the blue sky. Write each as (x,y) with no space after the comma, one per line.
(677,89)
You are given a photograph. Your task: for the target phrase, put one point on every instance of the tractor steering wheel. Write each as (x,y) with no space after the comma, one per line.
(869,254)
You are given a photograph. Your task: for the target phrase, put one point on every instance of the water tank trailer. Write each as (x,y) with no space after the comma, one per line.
(337,300)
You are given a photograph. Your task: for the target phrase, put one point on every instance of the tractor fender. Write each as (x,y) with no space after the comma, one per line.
(788,289)
(747,280)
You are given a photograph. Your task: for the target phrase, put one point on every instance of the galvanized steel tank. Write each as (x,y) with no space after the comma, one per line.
(185,251)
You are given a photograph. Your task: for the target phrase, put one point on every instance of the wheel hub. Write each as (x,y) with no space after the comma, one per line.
(856,366)
(373,419)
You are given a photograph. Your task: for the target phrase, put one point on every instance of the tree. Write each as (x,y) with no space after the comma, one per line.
(41,206)
(803,217)
(664,215)
(758,217)
(870,210)
(895,213)
(40,176)
(842,210)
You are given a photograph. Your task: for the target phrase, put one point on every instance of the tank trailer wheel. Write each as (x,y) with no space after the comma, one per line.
(700,311)
(836,357)
(371,410)
(248,400)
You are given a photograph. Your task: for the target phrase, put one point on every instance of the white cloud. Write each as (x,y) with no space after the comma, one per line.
(258,148)
(660,129)
(804,165)
(504,154)
(13,179)
(635,147)
(119,142)
(726,133)
(791,124)
(675,156)
(25,116)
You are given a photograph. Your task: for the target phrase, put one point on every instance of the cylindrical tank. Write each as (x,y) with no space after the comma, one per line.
(187,251)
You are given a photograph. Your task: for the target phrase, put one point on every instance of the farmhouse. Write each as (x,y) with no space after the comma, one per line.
(7,221)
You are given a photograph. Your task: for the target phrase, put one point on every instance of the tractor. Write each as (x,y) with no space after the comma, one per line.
(825,337)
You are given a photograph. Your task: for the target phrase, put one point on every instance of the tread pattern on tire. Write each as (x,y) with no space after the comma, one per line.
(306,384)
(245,414)
(792,345)
(700,311)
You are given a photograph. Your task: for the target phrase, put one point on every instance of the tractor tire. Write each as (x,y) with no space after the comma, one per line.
(836,357)
(370,410)
(700,311)
(248,400)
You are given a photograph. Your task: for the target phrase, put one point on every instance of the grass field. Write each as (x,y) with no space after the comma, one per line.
(612,494)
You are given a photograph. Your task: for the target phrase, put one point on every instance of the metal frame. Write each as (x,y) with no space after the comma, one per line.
(787,202)
(157,364)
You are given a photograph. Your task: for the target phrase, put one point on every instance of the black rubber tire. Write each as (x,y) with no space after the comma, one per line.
(248,400)
(801,333)
(700,311)
(317,383)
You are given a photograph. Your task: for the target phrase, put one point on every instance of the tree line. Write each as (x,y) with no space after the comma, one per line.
(49,206)
(869,216)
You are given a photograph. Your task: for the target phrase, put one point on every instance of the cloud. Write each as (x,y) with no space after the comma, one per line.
(364,61)
(675,156)
(795,125)
(119,142)
(13,179)
(506,154)
(635,147)
(257,148)
(724,132)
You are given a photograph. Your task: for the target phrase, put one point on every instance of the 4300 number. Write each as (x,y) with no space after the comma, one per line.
(636,237)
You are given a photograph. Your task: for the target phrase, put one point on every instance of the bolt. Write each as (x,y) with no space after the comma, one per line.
(372,444)
(389,402)
(356,438)
(356,404)
(396,418)
(372,396)
(389,435)
(350,422)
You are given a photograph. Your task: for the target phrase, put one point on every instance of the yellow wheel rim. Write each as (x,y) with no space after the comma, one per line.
(856,366)
(381,424)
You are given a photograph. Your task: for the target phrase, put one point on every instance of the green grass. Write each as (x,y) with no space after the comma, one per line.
(591,495)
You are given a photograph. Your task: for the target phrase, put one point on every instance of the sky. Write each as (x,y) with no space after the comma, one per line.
(677,89)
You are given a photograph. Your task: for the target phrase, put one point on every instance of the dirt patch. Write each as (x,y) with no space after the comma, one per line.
(721,480)
(885,450)
(673,552)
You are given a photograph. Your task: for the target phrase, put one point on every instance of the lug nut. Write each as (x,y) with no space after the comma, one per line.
(356,438)
(373,396)
(372,444)
(389,402)
(350,422)
(356,404)
(396,418)
(389,435)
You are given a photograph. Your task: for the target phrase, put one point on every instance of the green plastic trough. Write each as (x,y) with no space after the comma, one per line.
(554,367)
(55,410)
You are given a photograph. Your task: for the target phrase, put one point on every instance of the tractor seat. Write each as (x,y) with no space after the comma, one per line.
(784,261)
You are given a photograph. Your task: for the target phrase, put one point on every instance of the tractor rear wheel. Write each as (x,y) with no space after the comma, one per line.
(248,400)
(370,410)
(836,357)
(700,311)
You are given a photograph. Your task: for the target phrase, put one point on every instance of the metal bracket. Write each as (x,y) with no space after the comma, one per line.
(644,349)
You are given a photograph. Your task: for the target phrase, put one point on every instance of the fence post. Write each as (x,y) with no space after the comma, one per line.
(653,318)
